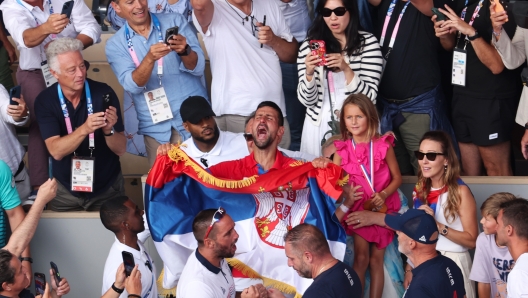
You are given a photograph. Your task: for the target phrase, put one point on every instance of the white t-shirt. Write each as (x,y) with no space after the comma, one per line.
(141,258)
(230,146)
(518,278)
(491,264)
(244,74)
(201,279)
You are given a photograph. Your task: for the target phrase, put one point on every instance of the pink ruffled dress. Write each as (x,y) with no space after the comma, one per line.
(350,162)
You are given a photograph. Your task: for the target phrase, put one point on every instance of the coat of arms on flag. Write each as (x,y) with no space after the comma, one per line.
(263,207)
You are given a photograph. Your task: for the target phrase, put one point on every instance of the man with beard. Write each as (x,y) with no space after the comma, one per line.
(512,231)
(309,254)
(121,216)
(207,273)
(267,130)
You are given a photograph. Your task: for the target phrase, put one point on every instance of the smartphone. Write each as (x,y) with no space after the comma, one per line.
(14,92)
(128,260)
(67,8)
(56,273)
(439,16)
(40,283)
(106,102)
(50,170)
(318,48)
(170,33)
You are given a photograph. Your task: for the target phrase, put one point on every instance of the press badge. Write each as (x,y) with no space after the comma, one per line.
(459,67)
(158,105)
(46,72)
(82,174)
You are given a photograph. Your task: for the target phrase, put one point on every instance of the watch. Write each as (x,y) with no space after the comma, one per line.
(28,259)
(444,231)
(109,134)
(186,52)
(472,38)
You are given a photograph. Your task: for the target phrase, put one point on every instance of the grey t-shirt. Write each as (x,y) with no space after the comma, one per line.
(491,265)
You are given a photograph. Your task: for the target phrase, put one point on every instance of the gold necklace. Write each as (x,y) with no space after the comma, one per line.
(324,267)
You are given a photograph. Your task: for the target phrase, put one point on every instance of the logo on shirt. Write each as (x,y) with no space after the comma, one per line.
(349,277)
(450,276)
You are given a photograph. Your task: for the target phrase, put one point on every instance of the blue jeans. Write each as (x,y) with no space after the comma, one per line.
(295,111)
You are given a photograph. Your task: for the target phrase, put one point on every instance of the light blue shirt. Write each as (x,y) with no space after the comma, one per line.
(179,82)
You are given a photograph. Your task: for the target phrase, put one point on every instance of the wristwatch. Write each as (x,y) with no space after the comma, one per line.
(109,134)
(444,231)
(28,259)
(472,38)
(186,52)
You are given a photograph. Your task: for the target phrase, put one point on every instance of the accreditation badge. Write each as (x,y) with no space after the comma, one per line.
(459,67)
(82,174)
(158,105)
(46,72)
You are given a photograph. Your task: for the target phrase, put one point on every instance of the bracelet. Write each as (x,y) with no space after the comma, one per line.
(118,290)
(344,208)
(310,74)
(27,259)
(134,296)
(408,270)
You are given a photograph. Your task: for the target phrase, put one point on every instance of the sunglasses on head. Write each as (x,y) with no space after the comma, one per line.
(248,137)
(339,11)
(217,216)
(431,156)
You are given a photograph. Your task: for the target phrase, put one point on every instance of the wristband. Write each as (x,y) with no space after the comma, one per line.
(134,296)
(27,259)
(408,270)
(118,290)
(310,74)
(344,208)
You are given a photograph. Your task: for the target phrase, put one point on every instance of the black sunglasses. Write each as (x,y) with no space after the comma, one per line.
(431,156)
(339,11)
(248,137)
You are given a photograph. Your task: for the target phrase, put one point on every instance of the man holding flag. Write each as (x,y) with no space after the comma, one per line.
(265,193)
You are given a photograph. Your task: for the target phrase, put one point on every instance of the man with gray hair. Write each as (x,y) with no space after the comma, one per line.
(80,121)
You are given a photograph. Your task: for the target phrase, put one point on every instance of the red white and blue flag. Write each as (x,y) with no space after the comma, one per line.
(263,207)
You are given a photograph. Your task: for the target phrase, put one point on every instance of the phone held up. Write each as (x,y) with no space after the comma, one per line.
(169,33)
(56,273)
(439,16)
(67,8)
(40,283)
(128,260)
(14,92)
(106,102)
(318,48)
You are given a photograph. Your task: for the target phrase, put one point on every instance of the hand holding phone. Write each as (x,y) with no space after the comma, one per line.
(169,33)
(128,260)
(106,102)
(56,274)
(40,283)
(318,48)
(15,92)
(67,8)
(439,16)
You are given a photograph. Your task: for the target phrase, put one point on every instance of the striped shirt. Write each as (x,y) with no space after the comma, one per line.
(366,64)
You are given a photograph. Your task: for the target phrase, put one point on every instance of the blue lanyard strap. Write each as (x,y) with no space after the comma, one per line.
(66,114)
(133,53)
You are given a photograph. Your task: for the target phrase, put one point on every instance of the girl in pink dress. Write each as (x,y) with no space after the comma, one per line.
(374,178)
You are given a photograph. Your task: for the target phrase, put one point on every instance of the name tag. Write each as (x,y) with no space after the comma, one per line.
(459,67)
(82,174)
(46,72)
(158,105)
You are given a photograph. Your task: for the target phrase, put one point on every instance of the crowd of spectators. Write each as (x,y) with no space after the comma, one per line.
(362,84)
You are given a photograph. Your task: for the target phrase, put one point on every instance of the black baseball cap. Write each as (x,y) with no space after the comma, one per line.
(416,224)
(195,108)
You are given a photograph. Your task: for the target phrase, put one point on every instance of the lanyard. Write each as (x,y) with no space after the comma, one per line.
(370,178)
(396,27)
(132,52)
(463,16)
(67,115)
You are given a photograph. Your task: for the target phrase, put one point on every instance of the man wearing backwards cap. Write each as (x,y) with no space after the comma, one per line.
(434,275)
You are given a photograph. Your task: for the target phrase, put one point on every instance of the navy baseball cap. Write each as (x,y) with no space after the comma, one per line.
(195,108)
(416,224)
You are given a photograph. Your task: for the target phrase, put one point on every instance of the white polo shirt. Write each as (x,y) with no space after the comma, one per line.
(18,17)
(201,279)
(230,146)
(141,258)
(244,74)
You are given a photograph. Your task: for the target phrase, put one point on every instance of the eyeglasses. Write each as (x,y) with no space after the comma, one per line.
(204,162)
(248,137)
(431,156)
(217,216)
(339,11)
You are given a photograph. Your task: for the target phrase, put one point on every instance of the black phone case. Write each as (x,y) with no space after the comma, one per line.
(170,32)
(57,276)
(67,8)
(128,261)
(106,102)
(14,92)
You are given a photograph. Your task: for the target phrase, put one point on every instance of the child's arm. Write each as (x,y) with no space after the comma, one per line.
(484,290)
(349,196)
(379,198)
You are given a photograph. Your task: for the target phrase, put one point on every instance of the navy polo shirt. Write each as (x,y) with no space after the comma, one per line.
(51,122)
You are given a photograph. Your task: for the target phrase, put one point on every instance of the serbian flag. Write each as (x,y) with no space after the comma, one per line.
(263,207)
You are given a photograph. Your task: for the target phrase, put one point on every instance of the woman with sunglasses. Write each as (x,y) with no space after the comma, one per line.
(352,65)
(441,193)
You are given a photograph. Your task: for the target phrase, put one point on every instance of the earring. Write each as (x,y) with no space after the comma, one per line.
(445,168)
